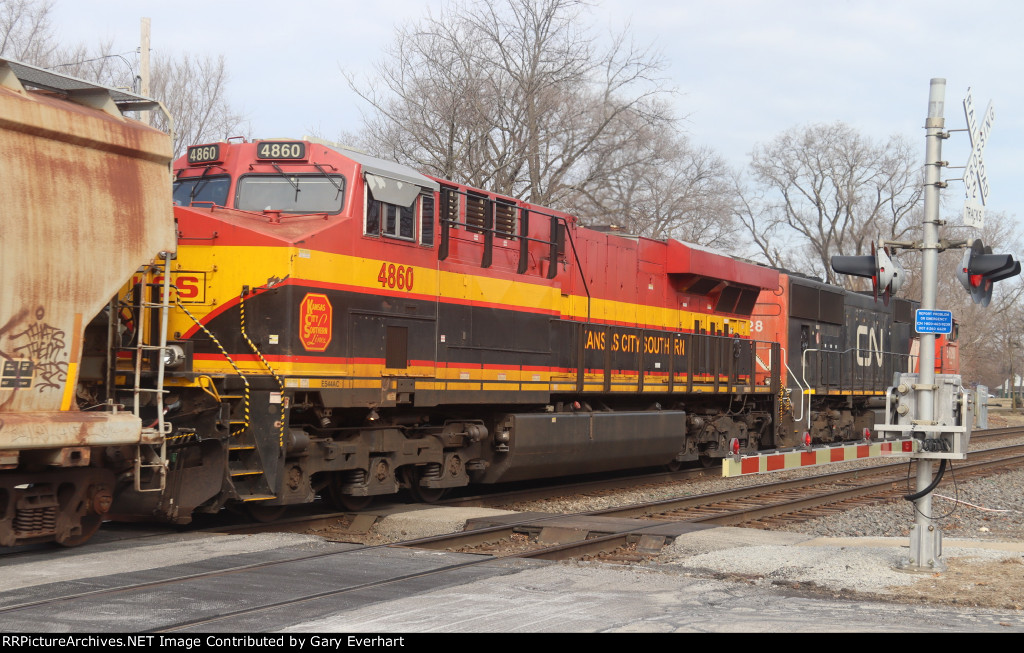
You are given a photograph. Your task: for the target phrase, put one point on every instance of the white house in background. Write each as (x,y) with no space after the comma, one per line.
(1005,388)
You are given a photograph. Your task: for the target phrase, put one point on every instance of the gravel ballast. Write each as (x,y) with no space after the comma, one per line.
(858,552)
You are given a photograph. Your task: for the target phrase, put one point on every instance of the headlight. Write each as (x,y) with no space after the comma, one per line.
(173,356)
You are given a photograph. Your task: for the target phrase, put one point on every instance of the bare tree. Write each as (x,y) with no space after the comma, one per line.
(194,92)
(511,95)
(430,102)
(661,186)
(26,34)
(25,30)
(826,190)
(193,89)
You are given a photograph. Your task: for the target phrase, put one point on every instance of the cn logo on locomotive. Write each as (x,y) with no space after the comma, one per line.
(873,340)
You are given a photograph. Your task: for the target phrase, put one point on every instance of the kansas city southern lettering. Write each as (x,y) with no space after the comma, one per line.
(315,322)
(631,343)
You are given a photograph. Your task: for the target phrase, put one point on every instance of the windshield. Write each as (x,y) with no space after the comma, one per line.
(291,193)
(202,189)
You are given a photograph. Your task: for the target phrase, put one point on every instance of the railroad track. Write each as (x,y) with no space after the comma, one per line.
(656,478)
(313,517)
(638,533)
(618,535)
(1001,432)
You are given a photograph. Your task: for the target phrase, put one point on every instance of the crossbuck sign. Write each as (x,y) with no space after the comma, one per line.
(975,179)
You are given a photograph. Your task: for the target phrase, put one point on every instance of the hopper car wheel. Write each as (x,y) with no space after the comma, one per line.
(420,493)
(265,514)
(707,461)
(674,466)
(90,524)
(348,502)
(343,501)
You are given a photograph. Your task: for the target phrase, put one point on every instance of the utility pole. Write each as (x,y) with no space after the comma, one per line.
(144,67)
(1013,396)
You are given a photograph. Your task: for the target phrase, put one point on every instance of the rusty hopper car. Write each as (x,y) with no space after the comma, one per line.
(86,200)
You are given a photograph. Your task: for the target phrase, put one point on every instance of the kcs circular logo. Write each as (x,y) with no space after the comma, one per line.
(315,322)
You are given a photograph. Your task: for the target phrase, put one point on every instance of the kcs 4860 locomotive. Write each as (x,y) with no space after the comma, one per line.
(331,324)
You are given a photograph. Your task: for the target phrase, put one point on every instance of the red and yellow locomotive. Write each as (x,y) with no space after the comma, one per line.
(347,326)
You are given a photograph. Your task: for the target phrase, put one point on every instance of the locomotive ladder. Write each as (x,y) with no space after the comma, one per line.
(148,303)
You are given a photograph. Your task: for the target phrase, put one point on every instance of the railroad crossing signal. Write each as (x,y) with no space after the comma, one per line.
(975,178)
(980,269)
(887,276)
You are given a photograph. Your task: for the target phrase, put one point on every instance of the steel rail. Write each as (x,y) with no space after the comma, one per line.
(602,544)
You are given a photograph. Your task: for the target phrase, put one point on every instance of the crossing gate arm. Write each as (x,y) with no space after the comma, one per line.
(782,460)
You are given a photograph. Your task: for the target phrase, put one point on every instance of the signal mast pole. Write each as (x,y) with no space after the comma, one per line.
(925,538)
(934,409)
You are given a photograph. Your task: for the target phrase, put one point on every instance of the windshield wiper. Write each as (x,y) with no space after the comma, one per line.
(291,181)
(330,179)
(199,184)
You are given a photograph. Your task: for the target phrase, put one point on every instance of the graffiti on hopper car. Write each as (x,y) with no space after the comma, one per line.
(47,346)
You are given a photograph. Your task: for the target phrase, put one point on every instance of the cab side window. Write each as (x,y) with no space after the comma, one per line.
(411,223)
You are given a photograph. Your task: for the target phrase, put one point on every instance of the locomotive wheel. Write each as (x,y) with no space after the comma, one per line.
(265,514)
(90,524)
(420,493)
(674,466)
(707,461)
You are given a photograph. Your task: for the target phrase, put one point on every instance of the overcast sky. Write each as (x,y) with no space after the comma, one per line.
(745,70)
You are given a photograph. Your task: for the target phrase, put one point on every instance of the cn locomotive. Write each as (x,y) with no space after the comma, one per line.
(334,325)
